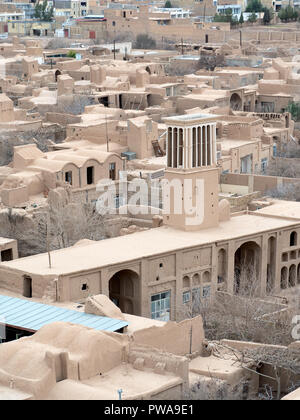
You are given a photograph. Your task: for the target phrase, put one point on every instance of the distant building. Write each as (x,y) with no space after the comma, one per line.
(156,272)
(236,10)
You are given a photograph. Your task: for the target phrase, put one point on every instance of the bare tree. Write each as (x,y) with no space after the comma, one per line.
(291,150)
(180,69)
(210,61)
(74,104)
(278,366)
(215,390)
(244,316)
(283,167)
(59,224)
(144,42)
(42,137)
(287,191)
(283,363)
(66,223)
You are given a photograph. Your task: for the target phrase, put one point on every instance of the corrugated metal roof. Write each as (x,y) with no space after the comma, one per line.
(32,316)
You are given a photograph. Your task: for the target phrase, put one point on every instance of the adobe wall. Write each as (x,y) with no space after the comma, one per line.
(267,307)
(37,388)
(279,103)
(13,282)
(24,126)
(156,79)
(70,65)
(49,180)
(186,102)
(13,245)
(181,339)
(14,196)
(261,183)
(167,362)
(173,393)
(139,139)
(241,203)
(97,131)
(182,28)
(286,377)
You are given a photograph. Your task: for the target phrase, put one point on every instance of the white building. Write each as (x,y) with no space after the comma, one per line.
(235,8)
(175,13)
(12,16)
(78,8)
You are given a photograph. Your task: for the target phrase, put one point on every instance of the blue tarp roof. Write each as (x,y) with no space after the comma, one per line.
(32,316)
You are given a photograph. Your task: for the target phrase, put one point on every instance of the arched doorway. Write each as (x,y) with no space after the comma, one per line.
(284,277)
(247,269)
(222,263)
(124,291)
(287,122)
(57,73)
(27,286)
(292,276)
(271,264)
(235,102)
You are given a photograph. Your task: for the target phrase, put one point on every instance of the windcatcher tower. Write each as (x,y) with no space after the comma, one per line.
(191,166)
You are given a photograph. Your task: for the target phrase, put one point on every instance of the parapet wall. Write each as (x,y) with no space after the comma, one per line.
(62,119)
(183,338)
(191,33)
(261,183)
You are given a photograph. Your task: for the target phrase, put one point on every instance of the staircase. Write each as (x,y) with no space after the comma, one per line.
(225,131)
(158,151)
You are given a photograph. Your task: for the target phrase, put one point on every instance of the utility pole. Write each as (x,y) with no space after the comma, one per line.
(191,338)
(48,239)
(106,130)
(241,42)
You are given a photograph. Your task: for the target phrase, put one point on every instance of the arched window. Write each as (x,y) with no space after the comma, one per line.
(186,281)
(206,277)
(196,279)
(222,260)
(293,239)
